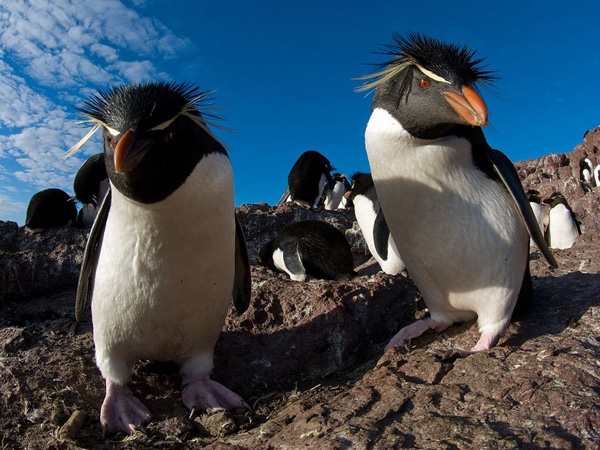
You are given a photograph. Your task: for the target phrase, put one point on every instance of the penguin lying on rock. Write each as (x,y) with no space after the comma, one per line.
(455,206)
(373,225)
(50,208)
(166,251)
(307,179)
(310,249)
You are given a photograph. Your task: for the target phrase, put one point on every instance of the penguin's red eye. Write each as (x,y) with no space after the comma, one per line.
(112,142)
(424,83)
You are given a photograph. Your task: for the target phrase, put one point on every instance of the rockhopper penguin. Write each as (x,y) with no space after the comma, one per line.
(373,225)
(454,205)
(168,246)
(563,227)
(307,179)
(535,202)
(91,185)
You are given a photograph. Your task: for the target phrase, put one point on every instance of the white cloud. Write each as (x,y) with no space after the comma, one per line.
(109,54)
(54,53)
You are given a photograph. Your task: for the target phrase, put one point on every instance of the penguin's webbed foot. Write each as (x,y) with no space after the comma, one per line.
(415,330)
(204,393)
(122,411)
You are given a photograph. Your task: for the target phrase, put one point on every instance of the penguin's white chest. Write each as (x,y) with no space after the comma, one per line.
(165,272)
(562,230)
(457,230)
(335,197)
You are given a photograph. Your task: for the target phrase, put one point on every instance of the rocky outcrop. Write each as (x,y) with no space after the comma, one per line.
(308,357)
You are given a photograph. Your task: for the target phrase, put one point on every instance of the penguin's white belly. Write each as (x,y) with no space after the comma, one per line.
(165,272)
(458,232)
(365,216)
(334,198)
(279,262)
(562,228)
(539,217)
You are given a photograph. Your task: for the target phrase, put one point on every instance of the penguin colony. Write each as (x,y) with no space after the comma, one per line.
(164,258)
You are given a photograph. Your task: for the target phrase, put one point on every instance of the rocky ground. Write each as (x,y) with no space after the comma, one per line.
(308,357)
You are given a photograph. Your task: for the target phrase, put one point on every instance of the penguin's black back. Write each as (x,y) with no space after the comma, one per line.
(323,249)
(50,208)
(88,179)
(303,179)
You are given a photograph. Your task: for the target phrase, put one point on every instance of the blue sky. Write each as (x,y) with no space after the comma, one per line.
(284,70)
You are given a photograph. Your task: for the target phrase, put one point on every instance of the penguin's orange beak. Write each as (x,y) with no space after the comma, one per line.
(129,152)
(470,107)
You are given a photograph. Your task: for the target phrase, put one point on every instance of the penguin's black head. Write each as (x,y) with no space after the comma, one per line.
(361,183)
(555,199)
(534,196)
(153,135)
(430,86)
(88,178)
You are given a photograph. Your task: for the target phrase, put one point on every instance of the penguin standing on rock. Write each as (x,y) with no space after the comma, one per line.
(334,198)
(307,179)
(310,249)
(586,174)
(535,202)
(563,227)
(50,208)
(455,206)
(168,246)
(586,169)
(373,225)
(91,186)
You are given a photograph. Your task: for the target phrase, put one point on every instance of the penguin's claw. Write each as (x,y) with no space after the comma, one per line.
(122,411)
(205,394)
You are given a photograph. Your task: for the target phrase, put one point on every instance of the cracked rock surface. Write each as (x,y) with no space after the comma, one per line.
(308,357)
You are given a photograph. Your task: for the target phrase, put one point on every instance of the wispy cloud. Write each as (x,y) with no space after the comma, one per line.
(54,54)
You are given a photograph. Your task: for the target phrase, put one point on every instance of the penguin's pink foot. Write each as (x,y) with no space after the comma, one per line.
(203,394)
(122,411)
(415,330)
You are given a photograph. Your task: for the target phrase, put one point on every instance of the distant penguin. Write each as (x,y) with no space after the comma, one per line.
(334,199)
(307,179)
(535,201)
(373,225)
(563,227)
(91,185)
(50,208)
(310,249)
(597,176)
(586,169)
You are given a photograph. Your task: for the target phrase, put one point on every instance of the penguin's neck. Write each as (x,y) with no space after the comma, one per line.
(394,153)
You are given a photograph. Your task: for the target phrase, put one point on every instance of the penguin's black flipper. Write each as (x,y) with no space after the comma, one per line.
(381,235)
(284,197)
(330,181)
(510,178)
(90,258)
(242,284)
